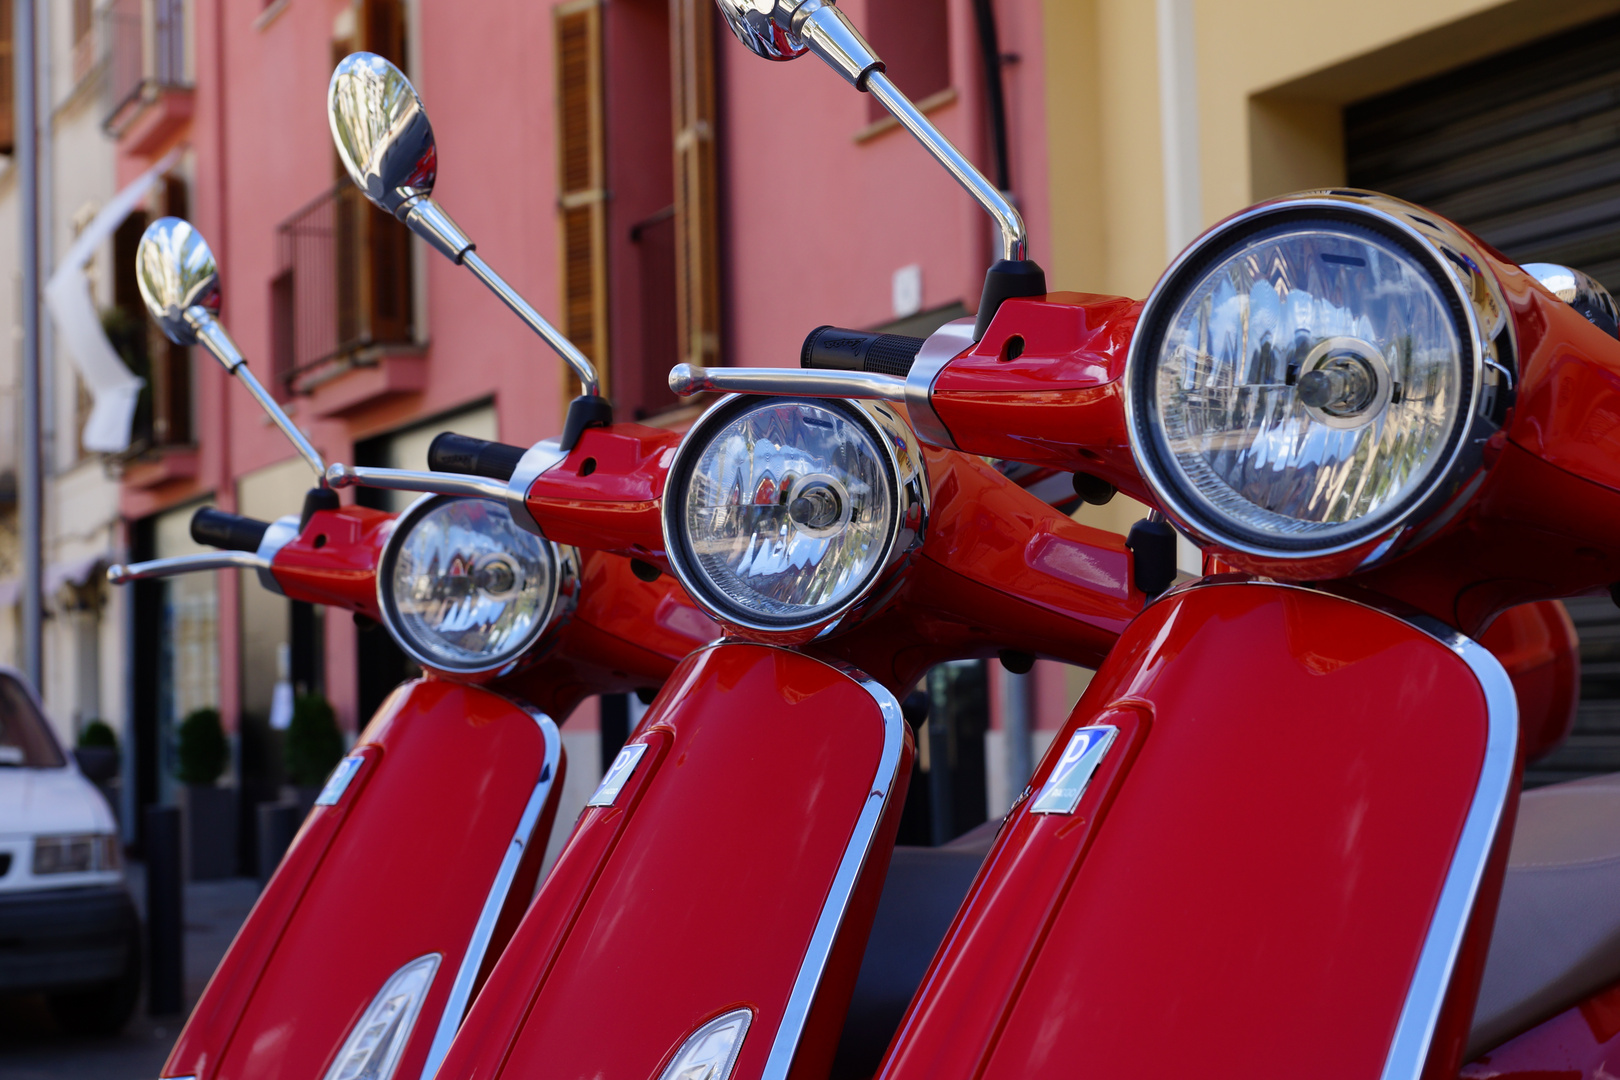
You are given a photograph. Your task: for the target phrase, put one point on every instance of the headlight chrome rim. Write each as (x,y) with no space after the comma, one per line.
(554,610)
(1453,262)
(909,496)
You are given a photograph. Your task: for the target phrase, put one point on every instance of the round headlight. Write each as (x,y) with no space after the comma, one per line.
(463,589)
(1314,373)
(781,513)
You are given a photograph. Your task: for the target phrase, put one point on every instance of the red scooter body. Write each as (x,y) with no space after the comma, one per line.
(435,844)
(348,890)
(1247,820)
(738,867)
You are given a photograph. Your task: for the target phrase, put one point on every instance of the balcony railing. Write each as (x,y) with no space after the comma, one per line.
(342,287)
(144,48)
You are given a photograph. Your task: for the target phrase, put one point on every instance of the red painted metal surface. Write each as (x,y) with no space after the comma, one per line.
(1582,1043)
(605,494)
(1538,647)
(1059,401)
(333,561)
(1249,879)
(699,889)
(294,983)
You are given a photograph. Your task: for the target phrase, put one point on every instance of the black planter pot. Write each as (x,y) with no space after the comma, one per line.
(210,831)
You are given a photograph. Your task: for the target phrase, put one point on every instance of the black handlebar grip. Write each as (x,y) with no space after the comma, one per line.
(830,347)
(464,454)
(231,532)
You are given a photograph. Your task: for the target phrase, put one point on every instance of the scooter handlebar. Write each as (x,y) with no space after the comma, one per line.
(464,454)
(833,348)
(229,532)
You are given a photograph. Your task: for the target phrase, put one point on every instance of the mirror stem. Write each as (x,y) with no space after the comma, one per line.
(583,368)
(212,336)
(1007,219)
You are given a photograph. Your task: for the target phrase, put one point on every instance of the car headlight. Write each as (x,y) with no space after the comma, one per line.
(76,853)
(1315,373)
(781,513)
(464,589)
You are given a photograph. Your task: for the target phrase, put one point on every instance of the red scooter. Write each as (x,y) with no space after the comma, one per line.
(435,823)
(1277,826)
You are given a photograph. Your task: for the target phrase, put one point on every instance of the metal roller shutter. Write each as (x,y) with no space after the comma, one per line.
(1524,149)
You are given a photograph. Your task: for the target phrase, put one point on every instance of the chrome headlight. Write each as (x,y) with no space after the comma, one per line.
(464,589)
(781,513)
(1315,373)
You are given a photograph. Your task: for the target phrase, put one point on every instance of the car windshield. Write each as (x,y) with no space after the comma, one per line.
(24,739)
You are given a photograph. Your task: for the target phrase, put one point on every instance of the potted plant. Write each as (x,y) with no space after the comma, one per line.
(97,753)
(314,746)
(202,755)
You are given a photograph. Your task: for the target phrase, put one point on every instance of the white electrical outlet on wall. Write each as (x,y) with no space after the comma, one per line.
(907,290)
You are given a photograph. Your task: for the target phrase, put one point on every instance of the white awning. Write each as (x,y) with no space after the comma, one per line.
(112,385)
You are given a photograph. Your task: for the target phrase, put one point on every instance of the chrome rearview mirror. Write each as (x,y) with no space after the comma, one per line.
(764,26)
(386,144)
(382,132)
(179,280)
(175,270)
(785,29)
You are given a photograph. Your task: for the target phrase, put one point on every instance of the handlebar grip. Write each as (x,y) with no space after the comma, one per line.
(231,532)
(464,454)
(833,348)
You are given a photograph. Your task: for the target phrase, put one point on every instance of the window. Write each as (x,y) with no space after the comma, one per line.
(163,413)
(8,107)
(578,34)
(343,280)
(913,37)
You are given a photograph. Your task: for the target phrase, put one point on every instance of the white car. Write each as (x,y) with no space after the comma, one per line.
(68,927)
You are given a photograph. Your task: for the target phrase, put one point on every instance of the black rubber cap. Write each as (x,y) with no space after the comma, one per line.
(1153,555)
(230,532)
(584,412)
(316,499)
(464,454)
(1093,489)
(1007,279)
(836,349)
(1019,663)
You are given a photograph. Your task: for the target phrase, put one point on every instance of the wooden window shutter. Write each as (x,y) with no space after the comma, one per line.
(697,242)
(580,181)
(8,104)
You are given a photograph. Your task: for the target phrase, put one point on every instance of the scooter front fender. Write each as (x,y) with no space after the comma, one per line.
(432,848)
(737,866)
(1285,862)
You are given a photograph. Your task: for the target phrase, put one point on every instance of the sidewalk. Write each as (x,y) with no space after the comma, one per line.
(33,1048)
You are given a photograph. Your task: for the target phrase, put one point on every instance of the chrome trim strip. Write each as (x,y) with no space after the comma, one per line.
(805,985)
(942,346)
(455,1007)
(685,379)
(341,476)
(282,531)
(121,574)
(539,458)
(1414,1033)
(1420,1013)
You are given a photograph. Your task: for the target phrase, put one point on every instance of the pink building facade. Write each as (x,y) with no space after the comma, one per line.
(823,213)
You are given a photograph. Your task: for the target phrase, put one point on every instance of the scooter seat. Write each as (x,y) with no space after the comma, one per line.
(1557,935)
(921,895)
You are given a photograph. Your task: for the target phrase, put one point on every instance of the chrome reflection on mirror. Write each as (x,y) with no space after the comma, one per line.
(763,26)
(175,270)
(381,132)
(1580,291)
(179,281)
(383,136)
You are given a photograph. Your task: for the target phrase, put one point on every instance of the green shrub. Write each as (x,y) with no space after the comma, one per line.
(97,733)
(314,743)
(202,753)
